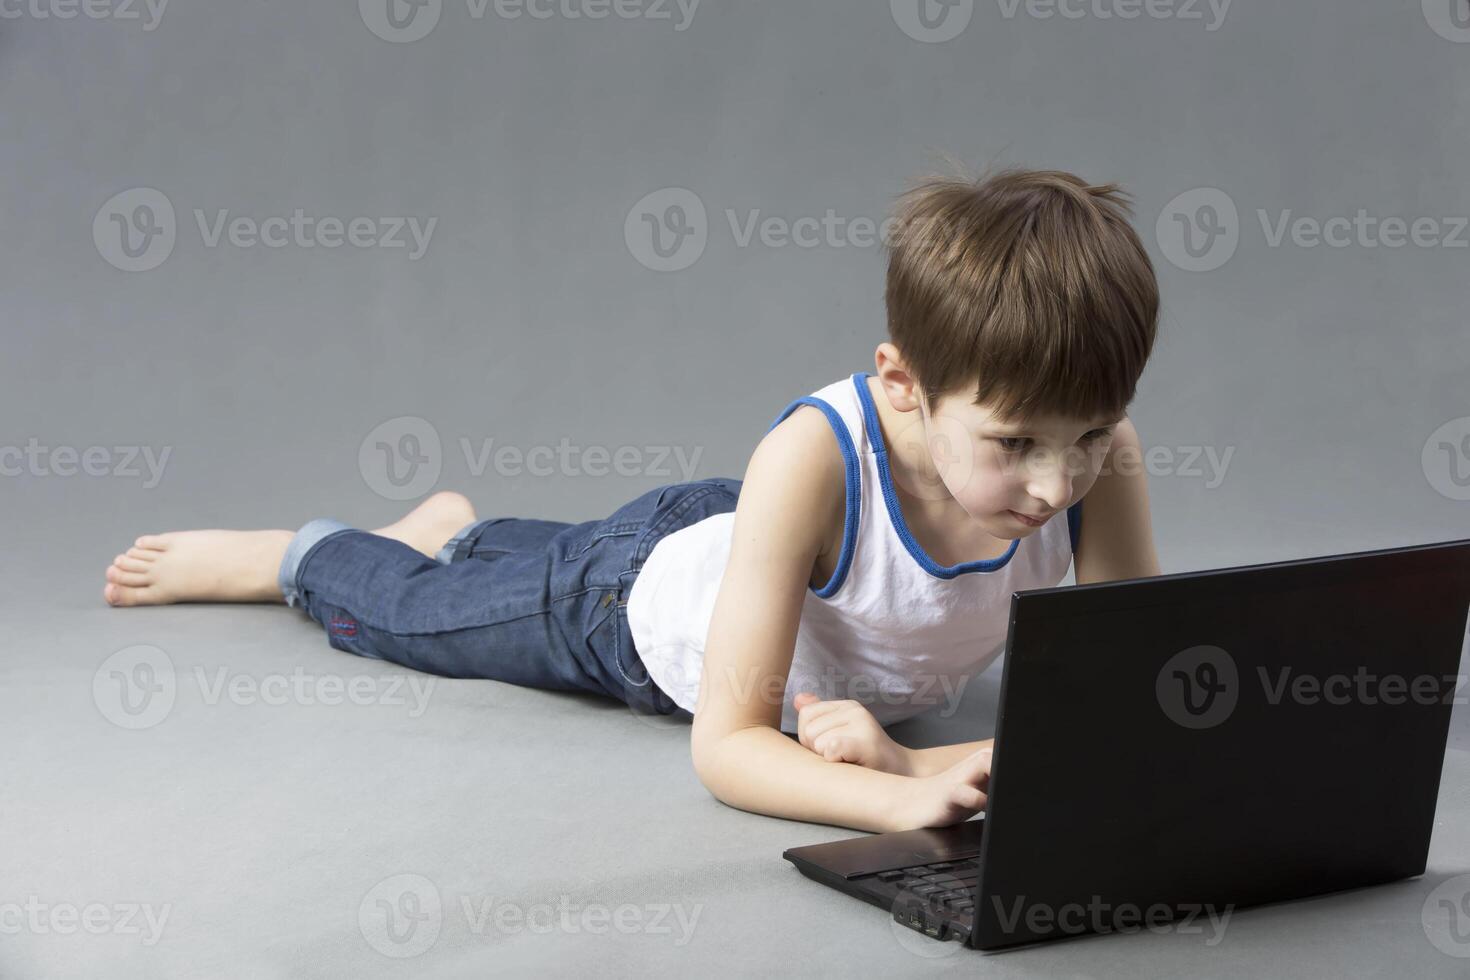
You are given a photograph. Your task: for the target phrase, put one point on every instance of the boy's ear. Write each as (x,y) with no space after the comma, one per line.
(903,390)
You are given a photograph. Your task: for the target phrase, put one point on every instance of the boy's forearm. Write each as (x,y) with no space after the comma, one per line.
(761,770)
(927,762)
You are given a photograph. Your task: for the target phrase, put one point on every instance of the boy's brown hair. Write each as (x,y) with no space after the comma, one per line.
(1031,283)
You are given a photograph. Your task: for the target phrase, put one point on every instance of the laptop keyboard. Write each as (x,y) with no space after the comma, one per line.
(936,899)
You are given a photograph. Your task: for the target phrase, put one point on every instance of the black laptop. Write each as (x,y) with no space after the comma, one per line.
(1170,749)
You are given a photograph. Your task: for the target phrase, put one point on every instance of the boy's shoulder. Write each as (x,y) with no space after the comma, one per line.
(801,456)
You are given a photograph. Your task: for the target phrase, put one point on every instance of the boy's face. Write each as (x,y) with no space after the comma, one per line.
(1001,473)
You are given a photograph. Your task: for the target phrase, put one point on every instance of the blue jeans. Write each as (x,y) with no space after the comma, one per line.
(530,602)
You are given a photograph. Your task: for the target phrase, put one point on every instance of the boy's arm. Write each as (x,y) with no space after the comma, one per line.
(791,486)
(1116,543)
(1117,539)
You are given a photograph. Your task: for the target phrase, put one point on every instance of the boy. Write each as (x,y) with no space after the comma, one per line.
(880,528)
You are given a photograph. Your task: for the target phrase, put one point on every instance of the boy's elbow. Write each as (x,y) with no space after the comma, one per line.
(704,754)
(711,753)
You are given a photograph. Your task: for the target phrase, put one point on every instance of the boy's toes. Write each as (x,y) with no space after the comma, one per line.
(121,594)
(119,576)
(151,542)
(131,562)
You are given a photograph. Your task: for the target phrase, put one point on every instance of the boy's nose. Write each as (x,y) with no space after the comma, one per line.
(1055,490)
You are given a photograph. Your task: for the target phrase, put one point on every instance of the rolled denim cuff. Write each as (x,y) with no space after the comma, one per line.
(460,545)
(312,533)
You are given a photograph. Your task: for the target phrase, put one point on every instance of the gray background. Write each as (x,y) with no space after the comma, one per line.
(530,319)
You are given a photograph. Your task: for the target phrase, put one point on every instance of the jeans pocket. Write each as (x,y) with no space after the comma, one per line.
(611,643)
(599,532)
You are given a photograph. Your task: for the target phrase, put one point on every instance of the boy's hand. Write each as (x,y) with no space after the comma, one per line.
(949,797)
(846,731)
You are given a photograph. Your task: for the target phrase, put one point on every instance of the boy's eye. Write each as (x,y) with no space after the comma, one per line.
(1014,444)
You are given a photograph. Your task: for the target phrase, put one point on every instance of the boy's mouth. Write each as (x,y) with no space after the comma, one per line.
(1029,521)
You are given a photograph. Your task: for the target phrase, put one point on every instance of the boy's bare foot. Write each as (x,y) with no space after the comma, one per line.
(198,566)
(430,525)
(242,566)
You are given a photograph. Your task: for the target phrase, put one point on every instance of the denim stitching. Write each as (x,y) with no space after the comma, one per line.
(621,529)
(620,610)
(678,510)
(499,622)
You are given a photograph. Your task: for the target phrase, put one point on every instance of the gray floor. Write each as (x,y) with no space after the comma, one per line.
(269,833)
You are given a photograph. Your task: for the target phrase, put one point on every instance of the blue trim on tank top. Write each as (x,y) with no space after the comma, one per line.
(895,513)
(853,498)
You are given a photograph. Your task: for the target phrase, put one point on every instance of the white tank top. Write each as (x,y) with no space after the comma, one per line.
(892,628)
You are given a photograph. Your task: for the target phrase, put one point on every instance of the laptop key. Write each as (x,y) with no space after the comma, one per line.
(890,875)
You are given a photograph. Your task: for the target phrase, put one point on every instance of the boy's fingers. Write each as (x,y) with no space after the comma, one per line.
(833,748)
(826,723)
(976,766)
(817,709)
(804,698)
(967,796)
